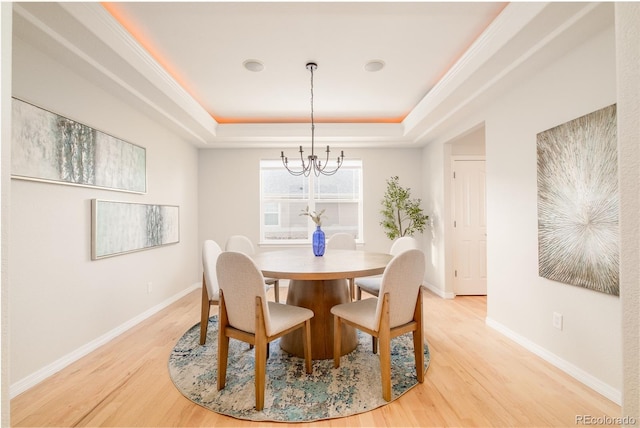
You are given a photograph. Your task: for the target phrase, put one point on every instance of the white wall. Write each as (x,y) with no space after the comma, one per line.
(60,300)
(470,144)
(628,73)
(520,302)
(230,193)
(433,195)
(6,25)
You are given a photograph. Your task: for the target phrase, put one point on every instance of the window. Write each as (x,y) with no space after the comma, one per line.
(284,196)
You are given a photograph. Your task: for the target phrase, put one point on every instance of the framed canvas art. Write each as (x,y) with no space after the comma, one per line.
(123,227)
(48,147)
(578,202)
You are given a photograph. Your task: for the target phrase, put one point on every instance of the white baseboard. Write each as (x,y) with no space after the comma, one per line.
(40,375)
(437,291)
(597,385)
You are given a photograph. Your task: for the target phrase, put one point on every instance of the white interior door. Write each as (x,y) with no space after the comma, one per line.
(470,228)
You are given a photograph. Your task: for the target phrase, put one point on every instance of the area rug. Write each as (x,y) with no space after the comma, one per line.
(291,395)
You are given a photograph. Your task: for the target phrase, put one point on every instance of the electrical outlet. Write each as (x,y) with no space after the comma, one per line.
(149,287)
(557,320)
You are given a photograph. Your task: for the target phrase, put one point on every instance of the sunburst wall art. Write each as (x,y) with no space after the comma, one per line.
(578,202)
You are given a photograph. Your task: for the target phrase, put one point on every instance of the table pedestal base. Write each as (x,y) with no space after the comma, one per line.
(319,296)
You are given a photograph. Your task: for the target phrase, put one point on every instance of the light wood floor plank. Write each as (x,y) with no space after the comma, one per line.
(477,377)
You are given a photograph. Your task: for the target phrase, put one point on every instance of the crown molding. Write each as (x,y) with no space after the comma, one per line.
(490,63)
(506,26)
(510,68)
(524,22)
(100,22)
(182,111)
(291,135)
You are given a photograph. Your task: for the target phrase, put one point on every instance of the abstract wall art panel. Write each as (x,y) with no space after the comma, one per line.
(52,148)
(578,202)
(123,227)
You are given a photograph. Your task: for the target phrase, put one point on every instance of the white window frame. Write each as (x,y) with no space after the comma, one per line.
(264,214)
(311,203)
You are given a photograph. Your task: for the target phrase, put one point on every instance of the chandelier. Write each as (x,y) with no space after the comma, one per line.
(312,163)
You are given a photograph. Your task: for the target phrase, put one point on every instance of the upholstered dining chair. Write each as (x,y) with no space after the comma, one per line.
(343,241)
(397,311)
(246,315)
(242,244)
(210,290)
(371,284)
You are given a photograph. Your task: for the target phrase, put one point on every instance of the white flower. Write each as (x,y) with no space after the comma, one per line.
(316,217)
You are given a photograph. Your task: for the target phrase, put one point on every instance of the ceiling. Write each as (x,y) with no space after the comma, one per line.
(183,62)
(204,45)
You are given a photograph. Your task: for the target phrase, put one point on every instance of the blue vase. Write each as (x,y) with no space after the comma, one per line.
(318,242)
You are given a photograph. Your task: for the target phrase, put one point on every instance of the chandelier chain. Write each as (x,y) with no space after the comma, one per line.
(313,125)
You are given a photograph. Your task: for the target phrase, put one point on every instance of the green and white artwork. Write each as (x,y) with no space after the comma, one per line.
(123,227)
(578,202)
(48,147)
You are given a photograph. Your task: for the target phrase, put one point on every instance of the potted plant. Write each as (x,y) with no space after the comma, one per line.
(401,215)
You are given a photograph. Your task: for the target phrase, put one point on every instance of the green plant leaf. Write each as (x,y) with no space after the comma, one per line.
(401,215)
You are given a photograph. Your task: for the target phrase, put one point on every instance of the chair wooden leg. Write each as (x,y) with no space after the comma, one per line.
(223,345)
(385,350)
(352,288)
(337,339)
(418,340)
(276,290)
(374,344)
(260,355)
(385,365)
(358,293)
(261,370)
(306,337)
(223,356)
(418,350)
(204,317)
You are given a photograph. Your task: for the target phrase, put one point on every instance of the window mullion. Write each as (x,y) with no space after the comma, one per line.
(312,204)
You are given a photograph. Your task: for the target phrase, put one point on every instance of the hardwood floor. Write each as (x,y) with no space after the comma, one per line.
(476,377)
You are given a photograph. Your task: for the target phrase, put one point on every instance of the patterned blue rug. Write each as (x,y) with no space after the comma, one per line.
(291,395)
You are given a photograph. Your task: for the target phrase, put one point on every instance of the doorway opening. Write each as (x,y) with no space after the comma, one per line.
(465,199)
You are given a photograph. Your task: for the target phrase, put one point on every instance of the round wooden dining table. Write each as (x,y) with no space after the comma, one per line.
(319,283)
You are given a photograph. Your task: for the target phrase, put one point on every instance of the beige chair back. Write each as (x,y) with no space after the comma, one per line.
(341,241)
(401,279)
(241,282)
(403,244)
(210,252)
(240,244)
